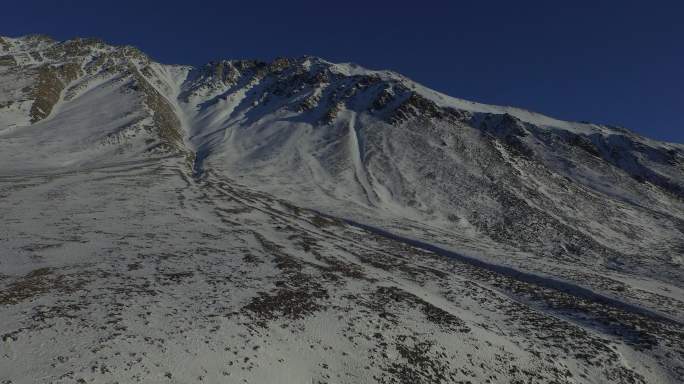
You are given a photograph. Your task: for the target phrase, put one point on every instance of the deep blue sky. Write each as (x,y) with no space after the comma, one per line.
(614,62)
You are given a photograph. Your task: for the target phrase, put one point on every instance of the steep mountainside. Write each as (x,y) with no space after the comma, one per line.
(82,101)
(336,215)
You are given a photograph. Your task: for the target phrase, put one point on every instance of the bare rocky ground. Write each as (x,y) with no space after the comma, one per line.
(138,272)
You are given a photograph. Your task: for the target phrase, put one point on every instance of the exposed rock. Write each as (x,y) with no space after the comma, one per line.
(50,83)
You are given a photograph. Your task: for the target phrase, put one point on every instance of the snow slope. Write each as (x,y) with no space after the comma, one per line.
(306,221)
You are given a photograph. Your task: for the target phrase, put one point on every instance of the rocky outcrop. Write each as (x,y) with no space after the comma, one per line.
(51,81)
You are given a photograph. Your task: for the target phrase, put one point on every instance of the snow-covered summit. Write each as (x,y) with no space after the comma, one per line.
(351,136)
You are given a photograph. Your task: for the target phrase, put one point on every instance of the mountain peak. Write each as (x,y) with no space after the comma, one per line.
(440,240)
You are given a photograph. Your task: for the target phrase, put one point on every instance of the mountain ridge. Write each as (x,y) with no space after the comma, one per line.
(326,126)
(347,68)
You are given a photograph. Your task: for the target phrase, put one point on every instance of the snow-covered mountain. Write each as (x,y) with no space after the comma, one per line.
(330,202)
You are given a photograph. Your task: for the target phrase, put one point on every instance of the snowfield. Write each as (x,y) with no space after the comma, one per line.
(302,221)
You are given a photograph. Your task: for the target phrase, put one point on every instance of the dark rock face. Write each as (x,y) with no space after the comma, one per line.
(7,61)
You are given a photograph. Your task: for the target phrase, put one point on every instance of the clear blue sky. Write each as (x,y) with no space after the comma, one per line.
(614,62)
